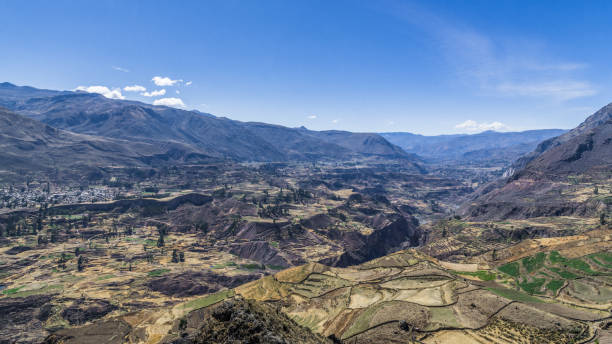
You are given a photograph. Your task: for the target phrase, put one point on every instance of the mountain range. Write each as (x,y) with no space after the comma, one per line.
(66,128)
(28,144)
(165,133)
(488,146)
(583,148)
(561,176)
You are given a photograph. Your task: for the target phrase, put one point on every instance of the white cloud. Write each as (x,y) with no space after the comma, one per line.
(103,90)
(472,126)
(312,117)
(121,69)
(506,66)
(177,92)
(172,102)
(562,90)
(335,121)
(164,81)
(155,93)
(134,88)
(188,83)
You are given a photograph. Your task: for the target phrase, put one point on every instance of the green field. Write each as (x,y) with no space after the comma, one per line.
(542,272)
(512,269)
(483,275)
(514,295)
(157,272)
(208,300)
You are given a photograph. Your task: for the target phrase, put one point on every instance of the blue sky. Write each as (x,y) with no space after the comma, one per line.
(427,67)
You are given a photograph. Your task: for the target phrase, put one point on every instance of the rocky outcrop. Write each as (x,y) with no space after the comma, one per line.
(559,178)
(192,283)
(259,251)
(240,321)
(401,233)
(22,319)
(82,311)
(518,210)
(112,331)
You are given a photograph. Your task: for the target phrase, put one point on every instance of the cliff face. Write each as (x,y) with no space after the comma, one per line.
(578,135)
(562,177)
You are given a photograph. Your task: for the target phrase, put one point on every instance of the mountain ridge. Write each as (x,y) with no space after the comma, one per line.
(28,144)
(487,145)
(561,177)
(207,134)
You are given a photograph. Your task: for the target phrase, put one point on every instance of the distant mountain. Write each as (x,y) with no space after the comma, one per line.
(201,133)
(488,146)
(563,176)
(11,95)
(582,132)
(585,149)
(27,145)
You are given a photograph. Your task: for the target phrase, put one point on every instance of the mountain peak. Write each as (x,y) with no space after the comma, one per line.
(7,85)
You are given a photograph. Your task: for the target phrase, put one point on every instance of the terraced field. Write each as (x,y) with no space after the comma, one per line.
(402,298)
(584,281)
(408,296)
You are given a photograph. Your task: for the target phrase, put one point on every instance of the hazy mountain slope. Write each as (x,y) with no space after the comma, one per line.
(488,145)
(31,145)
(10,94)
(568,175)
(587,152)
(600,117)
(220,137)
(362,142)
(94,114)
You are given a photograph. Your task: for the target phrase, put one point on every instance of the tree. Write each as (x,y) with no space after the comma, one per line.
(602,219)
(61,263)
(81,263)
(160,240)
(175,257)
(181,256)
(77,251)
